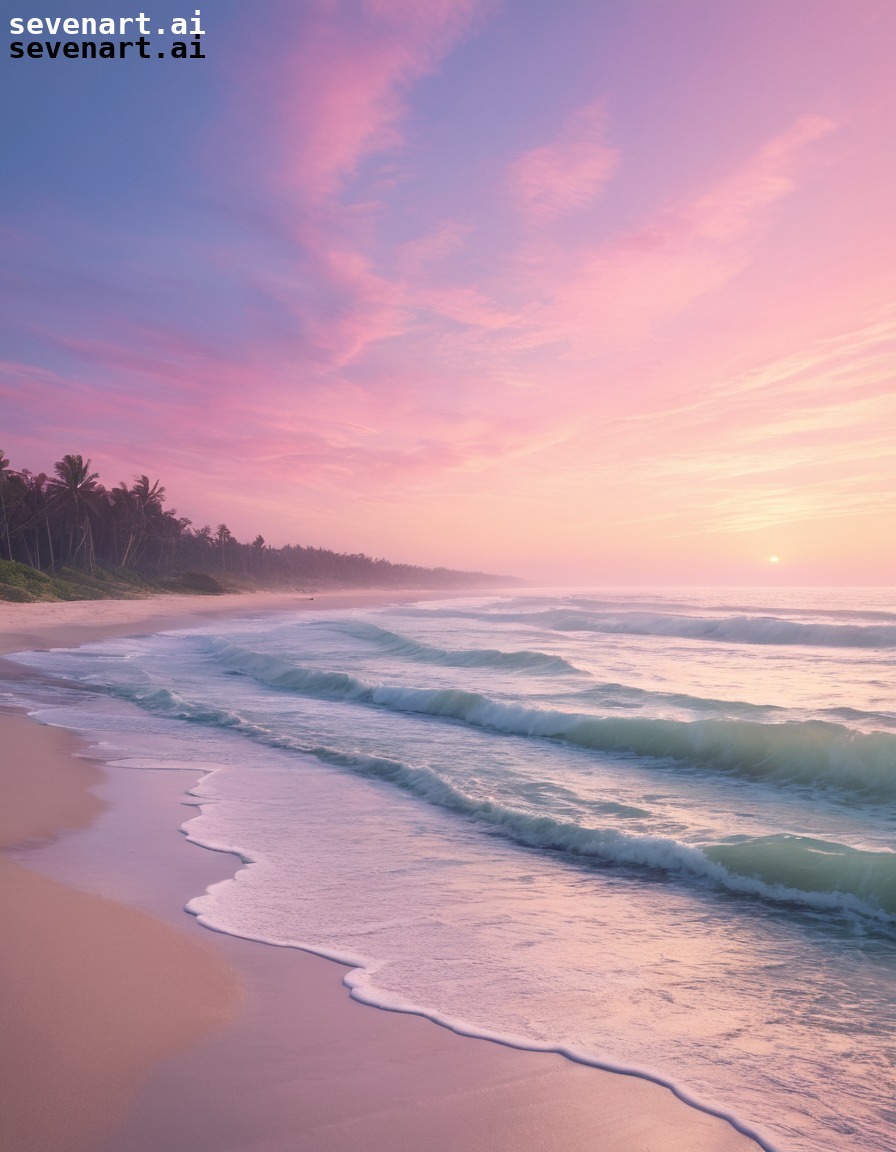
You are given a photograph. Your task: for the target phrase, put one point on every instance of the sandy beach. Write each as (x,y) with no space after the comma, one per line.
(128,1027)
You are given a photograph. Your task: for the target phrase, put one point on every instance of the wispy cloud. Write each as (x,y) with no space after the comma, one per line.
(617,291)
(736,205)
(557,178)
(341,94)
(807,436)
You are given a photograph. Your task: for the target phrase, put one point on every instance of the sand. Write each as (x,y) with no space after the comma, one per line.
(128,1027)
(92,993)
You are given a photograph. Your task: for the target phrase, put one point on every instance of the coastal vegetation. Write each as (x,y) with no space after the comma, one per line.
(66,536)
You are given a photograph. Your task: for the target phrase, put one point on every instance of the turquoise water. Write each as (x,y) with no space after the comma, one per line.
(652,830)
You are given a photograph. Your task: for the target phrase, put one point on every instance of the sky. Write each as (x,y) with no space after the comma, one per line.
(584,291)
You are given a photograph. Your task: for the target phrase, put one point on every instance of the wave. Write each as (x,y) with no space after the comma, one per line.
(663,605)
(725,629)
(395,644)
(862,716)
(830,613)
(807,864)
(783,868)
(732,629)
(808,752)
(627,696)
(591,603)
(791,869)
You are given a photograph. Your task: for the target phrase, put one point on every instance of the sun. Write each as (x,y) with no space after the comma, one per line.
(774,559)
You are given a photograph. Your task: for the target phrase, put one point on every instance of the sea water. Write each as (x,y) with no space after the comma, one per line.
(653,830)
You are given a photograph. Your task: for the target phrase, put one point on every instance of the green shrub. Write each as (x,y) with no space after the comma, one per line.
(200,582)
(15,595)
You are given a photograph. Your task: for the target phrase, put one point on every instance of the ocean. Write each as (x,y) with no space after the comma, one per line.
(653,829)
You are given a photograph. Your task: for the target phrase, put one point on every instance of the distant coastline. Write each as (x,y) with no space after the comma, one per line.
(68,537)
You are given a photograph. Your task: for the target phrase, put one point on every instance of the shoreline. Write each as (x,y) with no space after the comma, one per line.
(70,623)
(293,1063)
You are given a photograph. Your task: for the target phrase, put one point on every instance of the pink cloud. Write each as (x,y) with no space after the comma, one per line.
(338,301)
(336,100)
(469,306)
(416,257)
(737,204)
(555,179)
(616,293)
(598,295)
(341,93)
(806,436)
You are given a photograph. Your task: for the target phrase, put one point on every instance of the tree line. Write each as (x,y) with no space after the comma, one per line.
(68,519)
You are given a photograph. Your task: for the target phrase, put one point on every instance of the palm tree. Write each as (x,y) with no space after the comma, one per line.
(36,498)
(177,529)
(223,536)
(139,506)
(76,495)
(26,505)
(4,468)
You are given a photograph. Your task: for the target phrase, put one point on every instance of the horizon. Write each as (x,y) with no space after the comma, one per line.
(595,296)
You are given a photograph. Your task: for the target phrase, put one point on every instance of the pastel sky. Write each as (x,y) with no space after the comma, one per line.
(580,290)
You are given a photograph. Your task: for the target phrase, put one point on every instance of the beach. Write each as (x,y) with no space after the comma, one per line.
(128,1026)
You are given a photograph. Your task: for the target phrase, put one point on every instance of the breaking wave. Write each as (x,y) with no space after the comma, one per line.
(726,629)
(664,604)
(809,752)
(792,869)
(813,873)
(394,644)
